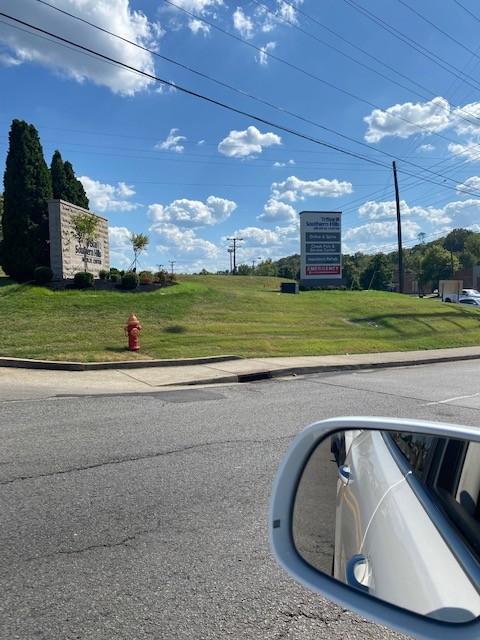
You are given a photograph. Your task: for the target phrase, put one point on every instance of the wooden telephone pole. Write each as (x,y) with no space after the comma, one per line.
(399,230)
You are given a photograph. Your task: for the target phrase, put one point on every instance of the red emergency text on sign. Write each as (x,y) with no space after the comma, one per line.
(322,269)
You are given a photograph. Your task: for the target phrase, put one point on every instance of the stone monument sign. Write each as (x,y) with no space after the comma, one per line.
(66,255)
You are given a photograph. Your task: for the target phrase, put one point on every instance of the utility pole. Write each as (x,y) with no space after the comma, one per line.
(230,252)
(254,261)
(235,240)
(159,266)
(172,262)
(399,230)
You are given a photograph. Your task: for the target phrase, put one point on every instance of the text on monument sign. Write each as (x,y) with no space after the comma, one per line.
(321,247)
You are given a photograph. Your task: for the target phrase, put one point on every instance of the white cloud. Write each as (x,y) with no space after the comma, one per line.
(192,213)
(404,120)
(467,119)
(115,15)
(120,246)
(370,236)
(381,210)
(258,237)
(470,184)
(293,189)
(201,142)
(425,148)
(283,164)
(470,150)
(197,26)
(7,60)
(287,11)
(276,211)
(119,237)
(172,142)
(463,213)
(250,142)
(264,51)
(242,23)
(198,6)
(108,197)
(267,243)
(183,242)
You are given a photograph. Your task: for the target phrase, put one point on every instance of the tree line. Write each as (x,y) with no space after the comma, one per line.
(28,186)
(428,262)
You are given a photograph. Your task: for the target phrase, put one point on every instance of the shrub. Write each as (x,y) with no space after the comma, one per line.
(146,277)
(161,277)
(115,277)
(83,280)
(42,275)
(103,274)
(130,280)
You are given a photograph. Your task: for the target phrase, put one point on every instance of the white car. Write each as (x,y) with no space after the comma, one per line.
(472,301)
(464,294)
(398,508)
(387,539)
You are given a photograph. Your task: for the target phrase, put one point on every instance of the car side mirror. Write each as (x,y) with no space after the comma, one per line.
(382,516)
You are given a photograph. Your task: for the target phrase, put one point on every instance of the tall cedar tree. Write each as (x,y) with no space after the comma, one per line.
(25,243)
(75,193)
(59,179)
(65,185)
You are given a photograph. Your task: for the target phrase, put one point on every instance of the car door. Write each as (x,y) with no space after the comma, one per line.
(386,543)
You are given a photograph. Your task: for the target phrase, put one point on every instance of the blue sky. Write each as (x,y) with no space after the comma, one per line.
(191,174)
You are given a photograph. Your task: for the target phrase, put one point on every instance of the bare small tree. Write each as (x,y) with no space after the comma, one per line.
(84,231)
(139,242)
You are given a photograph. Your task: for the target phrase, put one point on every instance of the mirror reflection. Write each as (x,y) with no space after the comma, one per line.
(395,515)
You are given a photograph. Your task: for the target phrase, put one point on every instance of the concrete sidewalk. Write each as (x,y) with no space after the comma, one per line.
(31,383)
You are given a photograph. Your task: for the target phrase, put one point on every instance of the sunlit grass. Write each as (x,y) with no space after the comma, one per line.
(212,315)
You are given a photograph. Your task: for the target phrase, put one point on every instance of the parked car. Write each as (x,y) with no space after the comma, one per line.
(465,293)
(472,301)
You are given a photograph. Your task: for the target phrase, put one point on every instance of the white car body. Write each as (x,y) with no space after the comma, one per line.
(473,302)
(465,293)
(377,512)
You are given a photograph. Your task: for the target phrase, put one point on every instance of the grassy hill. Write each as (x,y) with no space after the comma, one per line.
(211,315)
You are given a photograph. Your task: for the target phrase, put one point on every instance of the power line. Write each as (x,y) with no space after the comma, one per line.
(190,92)
(342,53)
(241,91)
(467,10)
(430,55)
(236,110)
(437,28)
(253,97)
(338,35)
(307,73)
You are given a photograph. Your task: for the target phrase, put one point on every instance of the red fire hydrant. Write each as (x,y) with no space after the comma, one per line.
(133,329)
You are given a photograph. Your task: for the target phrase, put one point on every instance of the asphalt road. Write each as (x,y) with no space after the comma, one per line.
(145,516)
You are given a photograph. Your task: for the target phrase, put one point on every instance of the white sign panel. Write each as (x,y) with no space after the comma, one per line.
(320,245)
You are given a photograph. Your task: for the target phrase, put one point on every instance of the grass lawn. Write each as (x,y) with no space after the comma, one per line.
(212,315)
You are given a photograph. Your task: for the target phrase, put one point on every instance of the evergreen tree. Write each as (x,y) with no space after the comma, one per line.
(59,179)
(65,185)
(74,191)
(25,217)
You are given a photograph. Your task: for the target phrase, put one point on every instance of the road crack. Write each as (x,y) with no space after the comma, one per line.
(93,547)
(148,456)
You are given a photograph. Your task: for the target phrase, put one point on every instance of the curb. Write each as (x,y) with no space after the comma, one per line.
(54,365)
(269,374)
